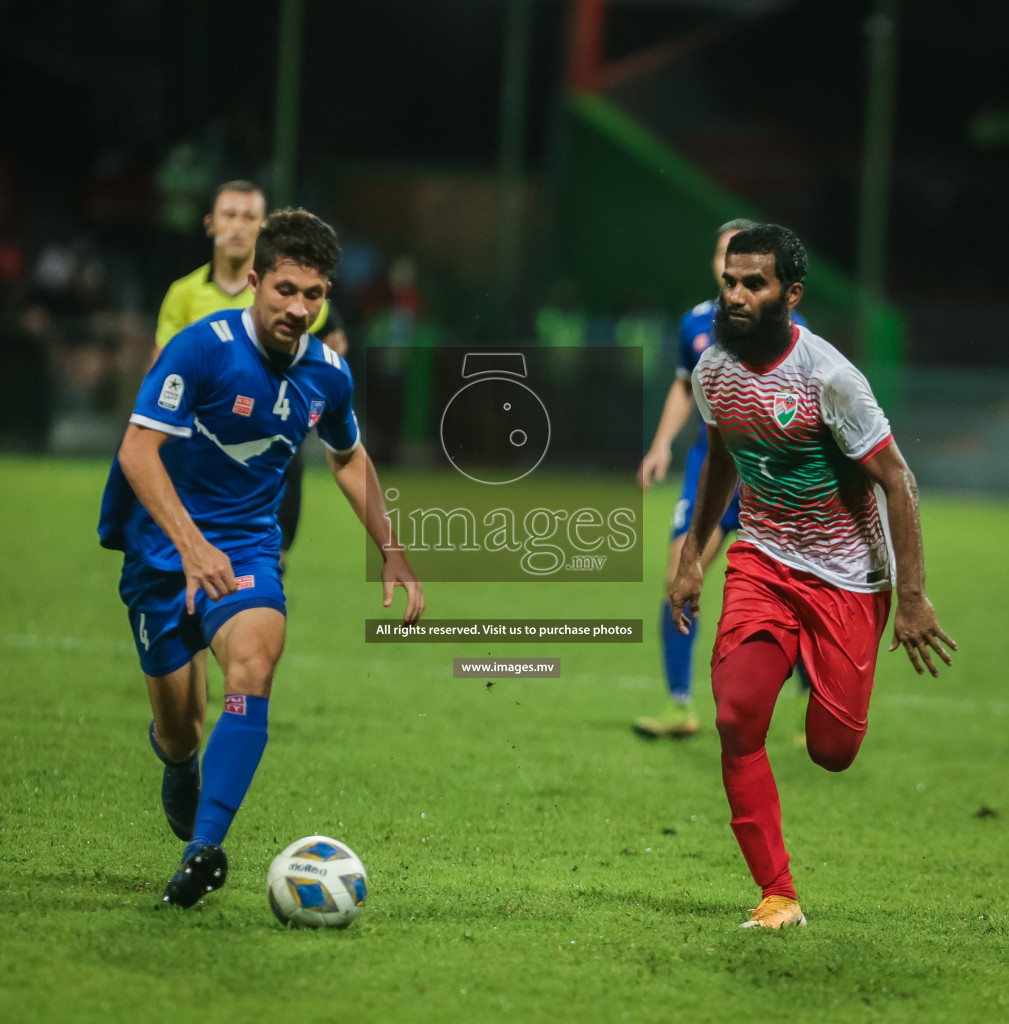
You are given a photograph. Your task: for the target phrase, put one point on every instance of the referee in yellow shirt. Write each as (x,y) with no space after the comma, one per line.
(236,215)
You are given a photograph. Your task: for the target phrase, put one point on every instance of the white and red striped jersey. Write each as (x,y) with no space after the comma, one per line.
(798,432)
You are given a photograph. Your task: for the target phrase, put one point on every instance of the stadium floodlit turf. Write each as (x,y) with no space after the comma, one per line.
(529,858)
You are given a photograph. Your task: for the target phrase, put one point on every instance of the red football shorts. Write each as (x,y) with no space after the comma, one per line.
(835,632)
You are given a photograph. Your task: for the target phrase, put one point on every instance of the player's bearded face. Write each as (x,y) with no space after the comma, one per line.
(759,337)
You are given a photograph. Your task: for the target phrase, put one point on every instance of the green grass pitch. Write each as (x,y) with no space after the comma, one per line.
(529,858)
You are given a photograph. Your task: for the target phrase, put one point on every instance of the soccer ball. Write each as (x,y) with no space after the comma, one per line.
(317,882)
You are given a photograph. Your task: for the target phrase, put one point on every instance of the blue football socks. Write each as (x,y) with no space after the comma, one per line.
(233,753)
(180,790)
(678,654)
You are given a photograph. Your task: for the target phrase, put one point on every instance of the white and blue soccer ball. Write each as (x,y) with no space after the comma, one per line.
(317,882)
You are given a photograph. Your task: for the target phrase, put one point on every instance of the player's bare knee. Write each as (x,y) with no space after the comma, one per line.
(251,675)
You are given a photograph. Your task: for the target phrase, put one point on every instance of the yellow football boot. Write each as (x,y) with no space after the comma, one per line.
(676,725)
(776,912)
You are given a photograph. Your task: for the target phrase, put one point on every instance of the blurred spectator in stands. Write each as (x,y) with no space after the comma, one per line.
(26,412)
(644,324)
(393,325)
(53,277)
(405,309)
(562,321)
(118,205)
(69,277)
(364,289)
(71,307)
(184,180)
(397,307)
(11,272)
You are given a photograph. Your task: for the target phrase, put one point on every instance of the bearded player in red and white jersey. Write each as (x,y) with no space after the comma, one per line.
(811,573)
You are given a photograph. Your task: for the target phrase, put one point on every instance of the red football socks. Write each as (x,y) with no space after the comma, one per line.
(746,685)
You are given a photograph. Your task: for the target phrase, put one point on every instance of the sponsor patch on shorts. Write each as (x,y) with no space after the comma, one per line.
(244,582)
(234,703)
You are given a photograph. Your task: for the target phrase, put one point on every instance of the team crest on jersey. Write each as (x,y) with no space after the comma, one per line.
(243,406)
(786,404)
(701,342)
(315,411)
(171,392)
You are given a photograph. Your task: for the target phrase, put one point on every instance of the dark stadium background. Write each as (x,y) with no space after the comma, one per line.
(393,93)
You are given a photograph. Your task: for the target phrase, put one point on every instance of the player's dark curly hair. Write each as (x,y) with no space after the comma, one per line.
(790,260)
(299,236)
(736,224)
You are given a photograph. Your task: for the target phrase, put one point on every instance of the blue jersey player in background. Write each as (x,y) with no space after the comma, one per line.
(678,719)
(192,501)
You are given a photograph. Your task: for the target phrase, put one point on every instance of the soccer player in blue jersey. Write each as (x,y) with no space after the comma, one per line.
(679,719)
(236,215)
(192,500)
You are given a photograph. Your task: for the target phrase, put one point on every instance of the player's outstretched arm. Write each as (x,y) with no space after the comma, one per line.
(355,474)
(915,627)
(206,567)
(715,487)
(675,413)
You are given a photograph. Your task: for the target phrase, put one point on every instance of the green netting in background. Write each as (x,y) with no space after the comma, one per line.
(635,218)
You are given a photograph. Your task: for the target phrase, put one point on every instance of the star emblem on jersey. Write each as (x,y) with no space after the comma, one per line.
(786,404)
(171,392)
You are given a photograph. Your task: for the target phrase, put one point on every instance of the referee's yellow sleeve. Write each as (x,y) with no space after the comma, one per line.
(172,317)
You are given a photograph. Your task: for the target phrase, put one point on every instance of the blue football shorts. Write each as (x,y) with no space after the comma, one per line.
(166,635)
(684,510)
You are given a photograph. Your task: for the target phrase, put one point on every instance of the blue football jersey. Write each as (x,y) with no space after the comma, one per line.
(695,337)
(236,413)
